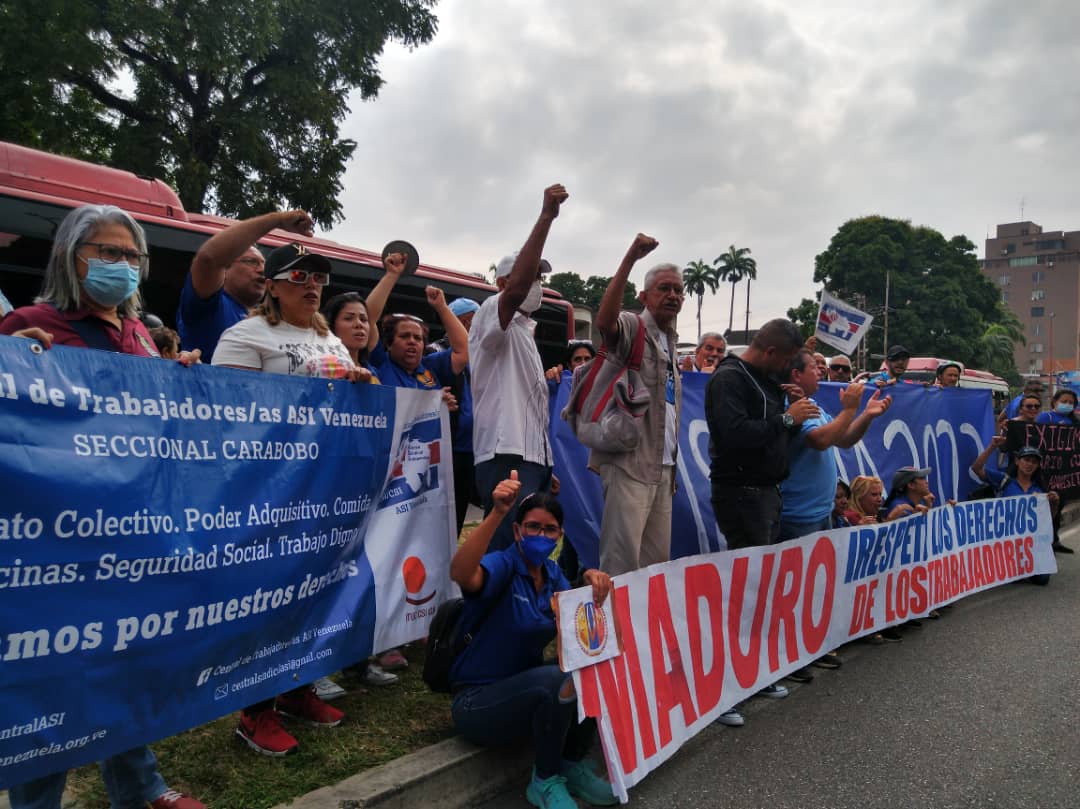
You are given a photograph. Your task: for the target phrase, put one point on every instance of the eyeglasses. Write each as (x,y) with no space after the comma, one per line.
(840,369)
(670,289)
(114,253)
(551,531)
(301,277)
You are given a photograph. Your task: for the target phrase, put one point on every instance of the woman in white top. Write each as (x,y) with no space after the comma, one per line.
(285,334)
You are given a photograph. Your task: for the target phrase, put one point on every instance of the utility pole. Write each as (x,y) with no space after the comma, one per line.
(885,347)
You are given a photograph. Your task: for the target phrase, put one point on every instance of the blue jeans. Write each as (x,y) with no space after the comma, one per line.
(534,478)
(792,530)
(131,781)
(503,711)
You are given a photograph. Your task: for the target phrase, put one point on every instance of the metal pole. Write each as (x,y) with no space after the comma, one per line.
(885,347)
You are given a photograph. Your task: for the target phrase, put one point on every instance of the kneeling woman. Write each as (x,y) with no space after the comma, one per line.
(502,687)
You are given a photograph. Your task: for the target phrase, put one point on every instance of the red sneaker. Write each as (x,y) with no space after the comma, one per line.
(263,732)
(172,799)
(307,707)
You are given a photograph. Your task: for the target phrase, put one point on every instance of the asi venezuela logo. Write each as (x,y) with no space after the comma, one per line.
(415,575)
(591,625)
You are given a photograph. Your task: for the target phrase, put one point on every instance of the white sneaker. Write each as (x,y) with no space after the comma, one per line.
(731,718)
(376,676)
(326,689)
(774,691)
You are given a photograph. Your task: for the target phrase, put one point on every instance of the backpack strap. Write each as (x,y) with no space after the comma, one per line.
(637,351)
(92,333)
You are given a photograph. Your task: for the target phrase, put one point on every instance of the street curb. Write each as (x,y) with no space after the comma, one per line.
(449,775)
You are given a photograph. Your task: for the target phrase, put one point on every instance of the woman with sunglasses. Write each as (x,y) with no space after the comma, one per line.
(1030,405)
(502,689)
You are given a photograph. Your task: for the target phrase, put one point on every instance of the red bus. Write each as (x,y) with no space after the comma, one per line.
(37,189)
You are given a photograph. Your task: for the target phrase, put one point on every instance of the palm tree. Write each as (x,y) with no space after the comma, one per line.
(734,266)
(994,350)
(698,277)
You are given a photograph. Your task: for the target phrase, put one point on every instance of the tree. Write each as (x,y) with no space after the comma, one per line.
(570,285)
(805,315)
(751,275)
(589,292)
(697,278)
(734,266)
(940,303)
(236,104)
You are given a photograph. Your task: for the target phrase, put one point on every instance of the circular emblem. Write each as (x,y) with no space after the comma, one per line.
(591,628)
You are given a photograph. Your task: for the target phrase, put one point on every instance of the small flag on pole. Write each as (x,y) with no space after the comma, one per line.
(841,325)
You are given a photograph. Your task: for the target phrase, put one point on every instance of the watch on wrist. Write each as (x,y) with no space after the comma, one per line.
(788,419)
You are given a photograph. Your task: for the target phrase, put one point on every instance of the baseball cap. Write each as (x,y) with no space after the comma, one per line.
(905,474)
(897,352)
(462,306)
(1029,452)
(293,255)
(506,263)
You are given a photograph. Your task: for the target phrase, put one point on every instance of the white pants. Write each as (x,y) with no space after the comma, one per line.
(636,528)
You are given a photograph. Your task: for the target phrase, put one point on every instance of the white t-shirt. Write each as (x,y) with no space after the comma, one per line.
(280,349)
(509,391)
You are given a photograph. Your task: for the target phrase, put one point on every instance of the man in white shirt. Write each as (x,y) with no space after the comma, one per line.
(510,394)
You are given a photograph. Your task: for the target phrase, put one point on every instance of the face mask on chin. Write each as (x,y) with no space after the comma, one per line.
(532,300)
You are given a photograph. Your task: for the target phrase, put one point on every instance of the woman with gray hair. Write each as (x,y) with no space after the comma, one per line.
(90,296)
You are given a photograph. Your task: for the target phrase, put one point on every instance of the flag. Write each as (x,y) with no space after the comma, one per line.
(841,325)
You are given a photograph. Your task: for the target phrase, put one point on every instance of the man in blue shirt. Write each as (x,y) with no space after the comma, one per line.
(1032,387)
(896,362)
(226,279)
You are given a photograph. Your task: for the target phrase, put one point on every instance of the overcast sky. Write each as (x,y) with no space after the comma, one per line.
(761,124)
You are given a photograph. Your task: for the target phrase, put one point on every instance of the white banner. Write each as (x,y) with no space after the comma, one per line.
(703,633)
(840,324)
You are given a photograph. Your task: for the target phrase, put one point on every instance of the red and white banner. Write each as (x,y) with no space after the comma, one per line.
(702,633)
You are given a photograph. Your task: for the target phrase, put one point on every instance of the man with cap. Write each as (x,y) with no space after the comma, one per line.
(896,362)
(509,390)
(839,369)
(909,493)
(226,278)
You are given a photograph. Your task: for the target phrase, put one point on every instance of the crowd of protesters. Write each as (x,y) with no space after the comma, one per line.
(773,473)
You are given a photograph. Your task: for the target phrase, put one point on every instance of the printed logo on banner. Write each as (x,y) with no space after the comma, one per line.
(842,323)
(592,633)
(415,575)
(416,464)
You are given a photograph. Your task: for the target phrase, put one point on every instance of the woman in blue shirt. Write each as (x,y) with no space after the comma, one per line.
(1063,409)
(502,688)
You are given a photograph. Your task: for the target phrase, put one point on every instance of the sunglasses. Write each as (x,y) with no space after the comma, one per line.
(1029,407)
(114,252)
(301,277)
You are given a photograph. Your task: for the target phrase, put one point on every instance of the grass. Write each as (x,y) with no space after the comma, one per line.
(213,764)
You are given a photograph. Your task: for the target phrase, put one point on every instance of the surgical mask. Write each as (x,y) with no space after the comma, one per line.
(110,283)
(1064,408)
(532,300)
(536,548)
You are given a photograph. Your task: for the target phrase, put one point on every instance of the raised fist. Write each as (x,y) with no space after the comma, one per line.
(554,196)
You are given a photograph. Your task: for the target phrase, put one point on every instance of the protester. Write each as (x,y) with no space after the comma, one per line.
(90,298)
(808,494)
(947,375)
(509,389)
(465,491)
(502,689)
(711,348)
(1033,387)
(227,278)
(909,494)
(839,369)
(822,365)
(867,494)
(285,334)
(749,432)
(1062,409)
(635,530)
(1028,409)
(167,342)
(578,352)
(896,363)
(840,506)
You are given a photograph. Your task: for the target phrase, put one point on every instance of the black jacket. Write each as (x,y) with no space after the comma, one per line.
(748,443)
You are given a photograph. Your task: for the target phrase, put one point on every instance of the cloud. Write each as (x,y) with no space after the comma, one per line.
(764,125)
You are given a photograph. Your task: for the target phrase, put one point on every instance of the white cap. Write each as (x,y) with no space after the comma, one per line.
(506,264)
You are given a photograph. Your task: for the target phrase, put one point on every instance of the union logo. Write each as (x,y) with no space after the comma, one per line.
(591,625)
(415,575)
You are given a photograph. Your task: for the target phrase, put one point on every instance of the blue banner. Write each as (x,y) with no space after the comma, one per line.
(943,428)
(181,542)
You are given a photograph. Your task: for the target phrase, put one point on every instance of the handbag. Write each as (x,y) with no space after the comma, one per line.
(608,399)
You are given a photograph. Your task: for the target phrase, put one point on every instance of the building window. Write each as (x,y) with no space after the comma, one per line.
(1038,294)
(1036,348)
(1038,276)
(1004,296)
(1023,261)
(1005,280)
(1034,366)
(1037,311)
(1050,244)
(1036,330)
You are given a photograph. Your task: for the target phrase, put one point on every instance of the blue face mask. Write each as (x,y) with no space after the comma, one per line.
(1064,408)
(110,283)
(536,548)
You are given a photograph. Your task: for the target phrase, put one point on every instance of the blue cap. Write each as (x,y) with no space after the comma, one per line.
(462,306)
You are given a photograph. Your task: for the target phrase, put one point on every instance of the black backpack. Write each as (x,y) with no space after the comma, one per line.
(447,639)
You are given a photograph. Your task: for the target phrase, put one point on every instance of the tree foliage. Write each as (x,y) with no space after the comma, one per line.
(733,266)
(805,315)
(940,304)
(236,104)
(589,291)
(699,278)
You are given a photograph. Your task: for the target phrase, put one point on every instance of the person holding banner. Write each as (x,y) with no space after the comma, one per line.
(896,363)
(90,299)
(501,687)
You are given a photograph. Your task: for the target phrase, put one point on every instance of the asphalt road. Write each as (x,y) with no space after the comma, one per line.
(979,709)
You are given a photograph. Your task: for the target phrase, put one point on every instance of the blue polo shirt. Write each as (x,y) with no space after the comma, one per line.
(810,487)
(1012,488)
(517,628)
(463,434)
(201,322)
(434,371)
(1051,417)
